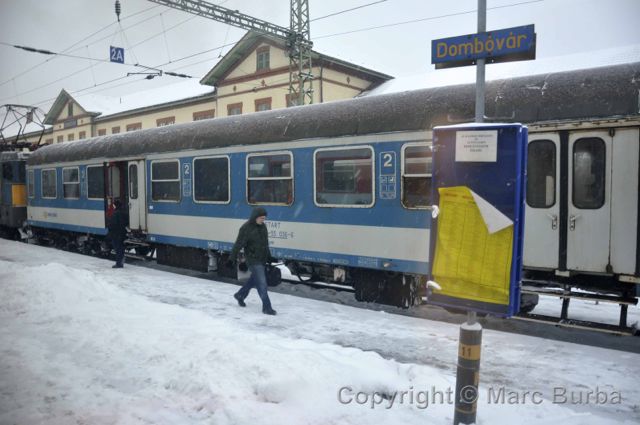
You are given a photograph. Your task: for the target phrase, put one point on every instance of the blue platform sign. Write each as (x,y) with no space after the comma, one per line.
(116,54)
(510,44)
(477,238)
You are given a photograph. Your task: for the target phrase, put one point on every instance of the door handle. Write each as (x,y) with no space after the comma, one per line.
(572,221)
(554,221)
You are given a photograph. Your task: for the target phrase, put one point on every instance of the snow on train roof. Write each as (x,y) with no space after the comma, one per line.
(584,94)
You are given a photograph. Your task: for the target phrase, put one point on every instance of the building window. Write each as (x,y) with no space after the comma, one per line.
(70,183)
(135,126)
(70,137)
(115,130)
(344,177)
(165,181)
(541,174)
(48,184)
(234,109)
(262,58)
(60,139)
(204,115)
(82,135)
(292,100)
(95,182)
(589,169)
(211,179)
(263,104)
(416,176)
(102,132)
(270,179)
(30,184)
(70,109)
(161,122)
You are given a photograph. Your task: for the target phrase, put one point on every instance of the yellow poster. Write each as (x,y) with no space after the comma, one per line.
(470,262)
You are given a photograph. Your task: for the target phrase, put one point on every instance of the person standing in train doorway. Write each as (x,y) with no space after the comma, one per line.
(254,238)
(118,232)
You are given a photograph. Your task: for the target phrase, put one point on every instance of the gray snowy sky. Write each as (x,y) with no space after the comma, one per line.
(393,37)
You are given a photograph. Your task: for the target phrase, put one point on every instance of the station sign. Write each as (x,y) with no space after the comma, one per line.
(477,238)
(510,44)
(116,54)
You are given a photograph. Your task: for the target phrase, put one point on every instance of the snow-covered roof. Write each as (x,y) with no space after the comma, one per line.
(465,75)
(105,106)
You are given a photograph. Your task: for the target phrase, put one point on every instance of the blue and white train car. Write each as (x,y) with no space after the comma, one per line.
(347,184)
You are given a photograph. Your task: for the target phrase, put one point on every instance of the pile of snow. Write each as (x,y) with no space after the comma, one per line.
(82,343)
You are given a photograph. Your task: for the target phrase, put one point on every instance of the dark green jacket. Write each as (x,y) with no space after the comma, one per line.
(254,239)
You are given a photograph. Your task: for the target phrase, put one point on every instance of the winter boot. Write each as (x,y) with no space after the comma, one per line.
(239,299)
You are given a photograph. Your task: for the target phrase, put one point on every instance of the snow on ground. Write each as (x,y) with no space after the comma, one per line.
(81,343)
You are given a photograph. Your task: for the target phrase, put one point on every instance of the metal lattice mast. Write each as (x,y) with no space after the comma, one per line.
(300,67)
(297,37)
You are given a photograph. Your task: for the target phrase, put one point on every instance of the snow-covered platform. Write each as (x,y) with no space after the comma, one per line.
(83,343)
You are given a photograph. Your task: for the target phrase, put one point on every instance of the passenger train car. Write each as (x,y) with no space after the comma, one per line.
(347,185)
(13,193)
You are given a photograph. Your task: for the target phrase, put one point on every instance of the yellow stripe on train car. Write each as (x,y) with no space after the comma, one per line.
(18,195)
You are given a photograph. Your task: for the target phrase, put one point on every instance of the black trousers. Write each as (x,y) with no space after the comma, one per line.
(118,246)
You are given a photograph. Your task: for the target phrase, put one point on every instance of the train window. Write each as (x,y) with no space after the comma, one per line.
(133,181)
(95,182)
(270,178)
(31,183)
(70,183)
(416,176)
(344,177)
(165,181)
(541,174)
(589,168)
(211,179)
(7,171)
(48,184)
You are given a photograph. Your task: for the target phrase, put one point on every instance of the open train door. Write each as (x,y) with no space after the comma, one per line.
(137,196)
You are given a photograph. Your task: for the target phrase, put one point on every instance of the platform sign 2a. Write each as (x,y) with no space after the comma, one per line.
(477,238)
(116,54)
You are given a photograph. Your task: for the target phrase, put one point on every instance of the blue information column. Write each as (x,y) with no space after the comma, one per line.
(477,239)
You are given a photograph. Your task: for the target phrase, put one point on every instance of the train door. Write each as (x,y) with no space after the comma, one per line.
(542,212)
(589,201)
(137,198)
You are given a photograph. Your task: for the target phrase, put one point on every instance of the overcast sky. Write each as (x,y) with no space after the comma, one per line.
(154,35)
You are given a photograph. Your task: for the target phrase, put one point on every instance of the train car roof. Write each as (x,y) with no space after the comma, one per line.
(572,95)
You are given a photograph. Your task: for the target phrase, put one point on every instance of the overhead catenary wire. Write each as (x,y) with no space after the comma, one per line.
(42,102)
(143,41)
(431,18)
(26,71)
(347,10)
(324,36)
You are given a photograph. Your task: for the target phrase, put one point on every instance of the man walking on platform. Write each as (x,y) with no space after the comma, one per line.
(254,238)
